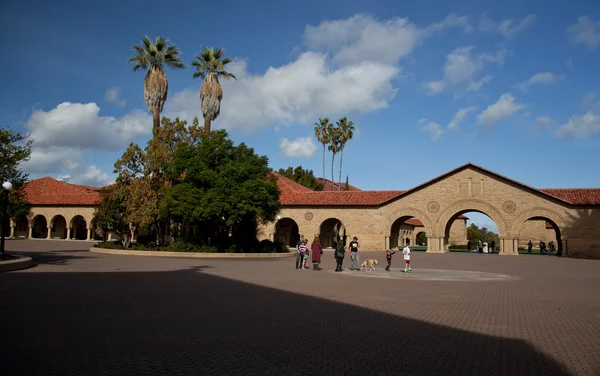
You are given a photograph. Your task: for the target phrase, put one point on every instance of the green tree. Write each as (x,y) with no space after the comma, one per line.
(112,215)
(347,186)
(473,233)
(422,238)
(346,129)
(14,150)
(334,147)
(210,66)
(322,134)
(223,187)
(155,56)
(302,176)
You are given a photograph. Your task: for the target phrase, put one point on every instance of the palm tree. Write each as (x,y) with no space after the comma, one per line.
(346,128)
(321,132)
(334,146)
(155,56)
(210,65)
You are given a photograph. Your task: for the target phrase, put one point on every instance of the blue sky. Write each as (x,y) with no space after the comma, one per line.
(519,78)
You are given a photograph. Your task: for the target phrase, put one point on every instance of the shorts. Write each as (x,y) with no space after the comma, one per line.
(305,257)
(407,261)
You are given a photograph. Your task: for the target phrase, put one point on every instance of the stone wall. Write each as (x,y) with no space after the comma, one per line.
(458,232)
(535,230)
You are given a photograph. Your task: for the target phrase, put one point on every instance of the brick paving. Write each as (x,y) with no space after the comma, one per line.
(79,313)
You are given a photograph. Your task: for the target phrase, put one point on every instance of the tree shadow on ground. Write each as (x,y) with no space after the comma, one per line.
(190,322)
(58,257)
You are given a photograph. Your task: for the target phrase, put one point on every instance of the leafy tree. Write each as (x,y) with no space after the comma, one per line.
(322,134)
(334,146)
(210,65)
(14,150)
(155,56)
(473,233)
(302,176)
(422,238)
(112,215)
(227,189)
(346,130)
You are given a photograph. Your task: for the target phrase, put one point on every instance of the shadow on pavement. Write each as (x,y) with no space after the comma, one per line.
(190,322)
(54,257)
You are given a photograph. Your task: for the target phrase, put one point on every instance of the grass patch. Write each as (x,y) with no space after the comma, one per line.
(265,246)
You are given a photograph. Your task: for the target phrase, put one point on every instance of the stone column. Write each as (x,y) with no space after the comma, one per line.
(89,231)
(12,232)
(49,233)
(435,244)
(29,232)
(68,233)
(509,245)
(387,242)
(109,236)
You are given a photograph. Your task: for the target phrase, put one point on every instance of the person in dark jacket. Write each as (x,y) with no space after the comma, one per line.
(339,254)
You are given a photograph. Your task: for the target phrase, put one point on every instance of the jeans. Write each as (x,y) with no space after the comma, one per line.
(355,261)
(298,260)
(389,261)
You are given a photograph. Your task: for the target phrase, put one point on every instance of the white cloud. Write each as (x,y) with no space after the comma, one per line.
(590,102)
(79,125)
(434,129)
(89,175)
(301,147)
(364,38)
(460,67)
(586,32)
(544,120)
(112,96)
(580,126)
(300,91)
(459,117)
(544,78)
(508,28)
(50,160)
(503,108)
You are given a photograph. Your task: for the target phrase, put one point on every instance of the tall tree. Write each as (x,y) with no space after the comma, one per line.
(210,66)
(155,56)
(334,147)
(14,150)
(346,128)
(302,176)
(322,134)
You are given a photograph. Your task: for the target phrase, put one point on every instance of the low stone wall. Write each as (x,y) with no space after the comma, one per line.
(192,254)
(21,263)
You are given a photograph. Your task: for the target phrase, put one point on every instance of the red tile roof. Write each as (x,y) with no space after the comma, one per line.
(575,196)
(327,185)
(49,191)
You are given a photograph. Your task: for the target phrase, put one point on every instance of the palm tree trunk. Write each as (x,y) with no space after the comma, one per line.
(341,159)
(332,159)
(323,165)
(207,124)
(156,118)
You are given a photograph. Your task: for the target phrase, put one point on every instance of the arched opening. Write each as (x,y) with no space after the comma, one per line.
(78,228)
(58,227)
(421,239)
(40,227)
(286,232)
(544,235)
(21,227)
(471,231)
(329,230)
(405,230)
(95,232)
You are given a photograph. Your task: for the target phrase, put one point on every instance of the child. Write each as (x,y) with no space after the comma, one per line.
(304,253)
(406,252)
(388,258)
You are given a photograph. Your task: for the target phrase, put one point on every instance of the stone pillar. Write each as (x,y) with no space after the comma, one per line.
(29,232)
(109,236)
(12,232)
(387,242)
(49,233)
(435,244)
(89,232)
(272,237)
(68,233)
(509,245)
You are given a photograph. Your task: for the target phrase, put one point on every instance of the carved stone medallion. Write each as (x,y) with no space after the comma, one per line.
(308,216)
(433,207)
(509,207)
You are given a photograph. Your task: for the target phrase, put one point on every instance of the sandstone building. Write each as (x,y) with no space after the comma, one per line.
(380,219)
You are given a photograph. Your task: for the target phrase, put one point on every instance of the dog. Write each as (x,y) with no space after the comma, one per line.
(369,263)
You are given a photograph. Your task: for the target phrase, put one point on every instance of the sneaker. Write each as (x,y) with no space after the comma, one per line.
(409,269)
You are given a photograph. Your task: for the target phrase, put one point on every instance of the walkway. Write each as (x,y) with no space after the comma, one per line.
(79,313)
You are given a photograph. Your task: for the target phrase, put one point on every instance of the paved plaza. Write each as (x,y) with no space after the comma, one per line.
(82,313)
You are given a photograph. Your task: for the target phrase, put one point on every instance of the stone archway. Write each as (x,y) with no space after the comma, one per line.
(287,232)
(21,229)
(78,228)
(439,240)
(39,227)
(404,230)
(95,232)
(58,227)
(543,216)
(327,230)
(421,238)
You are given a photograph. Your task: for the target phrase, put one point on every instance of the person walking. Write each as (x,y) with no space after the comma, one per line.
(317,251)
(529,246)
(492,246)
(339,254)
(407,253)
(354,254)
(303,248)
(298,255)
(388,258)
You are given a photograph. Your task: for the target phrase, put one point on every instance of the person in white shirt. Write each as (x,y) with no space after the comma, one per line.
(406,252)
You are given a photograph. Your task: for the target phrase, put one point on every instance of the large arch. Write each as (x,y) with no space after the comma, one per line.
(555,220)
(287,232)
(409,212)
(404,229)
(95,232)
(21,227)
(78,226)
(327,234)
(39,227)
(58,227)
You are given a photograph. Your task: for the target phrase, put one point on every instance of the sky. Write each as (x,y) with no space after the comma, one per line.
(430,85)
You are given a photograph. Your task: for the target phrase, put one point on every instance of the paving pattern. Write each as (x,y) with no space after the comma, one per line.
(78,313)
(428,275)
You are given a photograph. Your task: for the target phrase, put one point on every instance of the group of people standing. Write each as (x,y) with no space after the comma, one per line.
(303,252)
(483,247)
